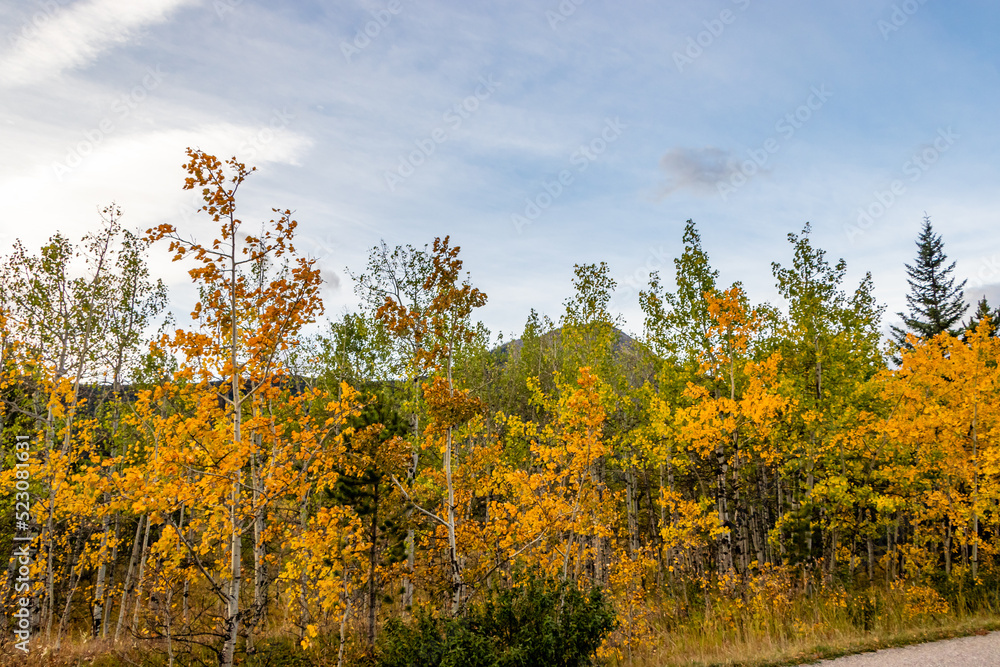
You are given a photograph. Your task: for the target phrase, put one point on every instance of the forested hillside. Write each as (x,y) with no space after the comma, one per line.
(215,486)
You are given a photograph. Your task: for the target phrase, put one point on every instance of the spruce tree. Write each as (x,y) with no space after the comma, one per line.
(936,303)
(983,309)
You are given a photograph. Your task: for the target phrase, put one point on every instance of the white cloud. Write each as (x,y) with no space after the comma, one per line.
(65,38)
(140,171)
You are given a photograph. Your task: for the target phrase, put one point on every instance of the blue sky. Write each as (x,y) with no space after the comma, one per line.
(537,134)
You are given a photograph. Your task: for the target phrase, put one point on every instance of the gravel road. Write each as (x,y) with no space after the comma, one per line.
(975,651)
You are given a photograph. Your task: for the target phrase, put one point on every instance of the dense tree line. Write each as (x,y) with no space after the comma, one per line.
(228,479)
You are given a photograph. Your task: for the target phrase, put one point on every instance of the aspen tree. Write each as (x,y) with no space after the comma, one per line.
(246,319)
(439,333)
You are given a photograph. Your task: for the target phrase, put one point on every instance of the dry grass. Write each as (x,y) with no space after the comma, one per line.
(687,649)
(677,648)
(764,626)
(759,623)
(99,653)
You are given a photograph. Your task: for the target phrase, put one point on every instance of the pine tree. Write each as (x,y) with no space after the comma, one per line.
(936,303)
(983,309)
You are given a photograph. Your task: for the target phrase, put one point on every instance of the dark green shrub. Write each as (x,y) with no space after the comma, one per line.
(543,621)
(414,644)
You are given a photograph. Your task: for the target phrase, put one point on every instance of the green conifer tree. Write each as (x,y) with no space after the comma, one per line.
(936,303)
(983,309)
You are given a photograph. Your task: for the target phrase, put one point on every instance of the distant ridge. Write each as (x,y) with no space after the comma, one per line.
(623,342)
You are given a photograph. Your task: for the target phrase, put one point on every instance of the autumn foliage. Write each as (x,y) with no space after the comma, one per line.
(214,488)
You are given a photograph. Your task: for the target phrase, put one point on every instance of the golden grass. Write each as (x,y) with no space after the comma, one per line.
(765,652)
(761,623)
(801,630)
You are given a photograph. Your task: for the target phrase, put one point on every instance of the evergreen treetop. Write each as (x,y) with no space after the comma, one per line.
(936,303)
(983,309)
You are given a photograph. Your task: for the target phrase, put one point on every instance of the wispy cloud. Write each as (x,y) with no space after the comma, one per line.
(231,69)
(695,169)
(74,36)
(142,172)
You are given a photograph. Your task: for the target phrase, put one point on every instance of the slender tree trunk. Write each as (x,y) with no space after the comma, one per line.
(725,553)
(456,570)
(99,624)
(601,550)
(410,543)
(343,623)
(232,617)
(109,583)
(259,555)
(833,554)
(871,559)
(168,621)
(74,581)
(140,580)
(764,554)
(128,584)
(779,511)
(97,614)
(666,553)
(810,482)
(372,565)
(304,617)
(947,547)
(965,546)
(47,609)
(633,512)
(739,514)
(186,601)
(232,612)
(653,536)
